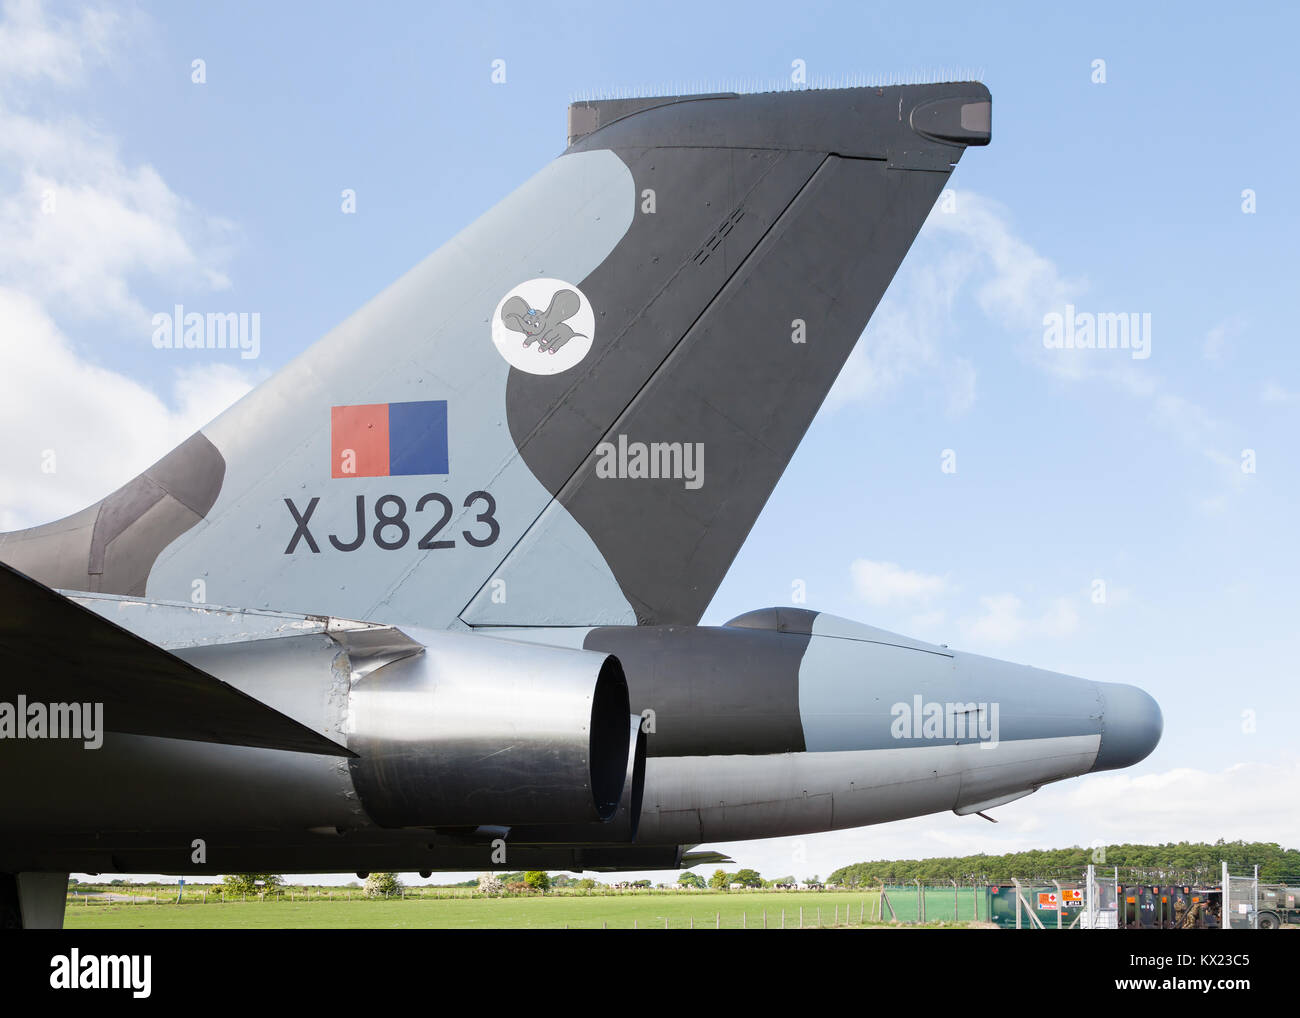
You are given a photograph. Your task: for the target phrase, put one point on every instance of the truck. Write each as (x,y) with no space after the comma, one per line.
(1277,905)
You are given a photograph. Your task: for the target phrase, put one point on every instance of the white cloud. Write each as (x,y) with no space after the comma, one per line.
(1274,393)
(884,583)
(1189,804)
(1060,618)
(34,47)
(1217,339)
(974,254)
(80,230)
(78,225)
(101,427)
(1002,620)
(906,333)
(1181,804)
(1013,285)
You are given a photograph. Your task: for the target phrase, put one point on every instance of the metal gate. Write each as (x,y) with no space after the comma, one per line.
(1100,903)
(1240,901)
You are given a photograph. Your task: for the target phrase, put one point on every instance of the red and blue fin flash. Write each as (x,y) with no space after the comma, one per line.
(389,439)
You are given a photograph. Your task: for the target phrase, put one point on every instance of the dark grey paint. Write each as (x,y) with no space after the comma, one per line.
(778,620)
(713,691)
(111,546)
(56,651)
(769,208)
(280,851)
(864,123)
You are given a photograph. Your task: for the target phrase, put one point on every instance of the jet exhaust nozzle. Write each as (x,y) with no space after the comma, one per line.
(480,731)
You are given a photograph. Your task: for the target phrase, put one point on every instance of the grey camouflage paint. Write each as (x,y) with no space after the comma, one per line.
(769,208)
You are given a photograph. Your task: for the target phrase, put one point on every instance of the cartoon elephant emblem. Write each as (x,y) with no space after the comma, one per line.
(545,328)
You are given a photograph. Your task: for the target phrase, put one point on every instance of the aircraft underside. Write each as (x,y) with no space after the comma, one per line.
(847,726)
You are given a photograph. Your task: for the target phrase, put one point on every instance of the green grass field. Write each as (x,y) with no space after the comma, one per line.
(647,911)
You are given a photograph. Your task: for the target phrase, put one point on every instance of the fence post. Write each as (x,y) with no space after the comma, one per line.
(1225,897)
(881,903)
(801,917)
(782,918)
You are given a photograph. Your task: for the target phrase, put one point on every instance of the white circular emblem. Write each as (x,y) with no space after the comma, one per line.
(543,326)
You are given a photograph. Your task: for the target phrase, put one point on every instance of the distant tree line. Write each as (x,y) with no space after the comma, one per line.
(1182,862)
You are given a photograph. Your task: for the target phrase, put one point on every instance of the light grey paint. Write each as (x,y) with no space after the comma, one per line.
(55,553)
(173,625)
(132,781)
(41,898)
(1131,726)
(689,800)
(524,589)
(568,636)
(427,337)
(846,629)
(849,685)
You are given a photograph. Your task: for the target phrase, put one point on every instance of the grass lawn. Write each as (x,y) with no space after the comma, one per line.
(648,911)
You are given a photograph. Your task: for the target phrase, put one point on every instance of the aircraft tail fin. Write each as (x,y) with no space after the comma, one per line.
(571,413)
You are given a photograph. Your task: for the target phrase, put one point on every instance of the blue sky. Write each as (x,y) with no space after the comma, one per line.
(1072,467)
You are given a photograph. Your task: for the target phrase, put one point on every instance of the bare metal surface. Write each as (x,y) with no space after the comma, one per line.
(57,651)
(477,730)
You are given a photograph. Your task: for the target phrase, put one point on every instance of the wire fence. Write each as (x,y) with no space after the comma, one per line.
(1096,899)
